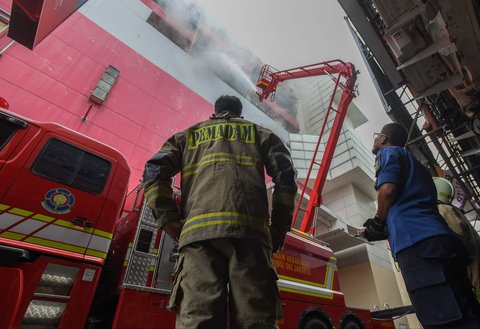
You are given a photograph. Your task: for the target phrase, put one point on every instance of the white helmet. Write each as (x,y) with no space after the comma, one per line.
(444,189)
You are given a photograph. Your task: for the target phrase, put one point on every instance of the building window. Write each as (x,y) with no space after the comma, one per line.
(69,165)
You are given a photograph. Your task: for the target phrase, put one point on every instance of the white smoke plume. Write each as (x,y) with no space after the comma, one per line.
(216,50)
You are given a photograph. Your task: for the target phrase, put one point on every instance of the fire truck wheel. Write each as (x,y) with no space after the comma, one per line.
(316,323)
(352,324)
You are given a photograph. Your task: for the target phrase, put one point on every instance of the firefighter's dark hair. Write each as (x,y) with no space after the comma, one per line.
(396,133)
(227,103)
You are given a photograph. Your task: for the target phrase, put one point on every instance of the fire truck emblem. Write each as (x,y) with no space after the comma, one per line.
(58,201)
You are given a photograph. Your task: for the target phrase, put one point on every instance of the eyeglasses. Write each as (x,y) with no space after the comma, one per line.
(375,135)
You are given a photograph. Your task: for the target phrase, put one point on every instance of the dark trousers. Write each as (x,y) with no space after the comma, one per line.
(435,275)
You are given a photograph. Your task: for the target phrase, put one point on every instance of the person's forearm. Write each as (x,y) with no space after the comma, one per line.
(386,197)
(283,201)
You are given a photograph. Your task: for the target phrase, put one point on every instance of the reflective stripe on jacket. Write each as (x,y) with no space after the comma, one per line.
(222,163)
(470,239)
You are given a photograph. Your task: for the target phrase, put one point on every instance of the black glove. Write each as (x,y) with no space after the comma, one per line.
(278,238)
(374,230)
(173,228)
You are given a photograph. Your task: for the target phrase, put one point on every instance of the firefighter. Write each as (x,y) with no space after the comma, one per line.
(461,226)
(226,240)
(432,261)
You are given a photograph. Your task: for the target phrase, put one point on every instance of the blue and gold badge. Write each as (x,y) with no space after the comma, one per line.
(58,201)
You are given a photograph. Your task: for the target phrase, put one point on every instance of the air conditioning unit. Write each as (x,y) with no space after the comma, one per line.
(399,41)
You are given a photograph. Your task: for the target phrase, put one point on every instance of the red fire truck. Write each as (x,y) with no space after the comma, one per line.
(61,194)
(77,251)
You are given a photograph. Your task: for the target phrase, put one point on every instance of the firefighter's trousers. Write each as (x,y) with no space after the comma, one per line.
(231,276)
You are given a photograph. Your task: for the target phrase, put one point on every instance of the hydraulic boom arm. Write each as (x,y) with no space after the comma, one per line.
(344,76)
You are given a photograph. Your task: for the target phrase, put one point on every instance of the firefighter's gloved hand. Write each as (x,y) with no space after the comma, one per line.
(374,230)
(173,229)
(278,238)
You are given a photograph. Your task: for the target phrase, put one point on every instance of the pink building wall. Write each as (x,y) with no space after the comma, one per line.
(53,83)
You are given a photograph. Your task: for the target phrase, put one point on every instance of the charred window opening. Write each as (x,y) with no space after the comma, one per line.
(178,24)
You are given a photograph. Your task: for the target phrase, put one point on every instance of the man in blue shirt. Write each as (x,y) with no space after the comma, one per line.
(432,260)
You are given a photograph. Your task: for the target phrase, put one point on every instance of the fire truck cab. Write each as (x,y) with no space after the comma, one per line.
(61,194)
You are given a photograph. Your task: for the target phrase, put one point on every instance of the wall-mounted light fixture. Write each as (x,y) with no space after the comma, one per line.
(103,88)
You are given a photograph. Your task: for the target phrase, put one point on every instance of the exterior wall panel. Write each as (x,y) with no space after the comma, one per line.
(53,83)
(160,90)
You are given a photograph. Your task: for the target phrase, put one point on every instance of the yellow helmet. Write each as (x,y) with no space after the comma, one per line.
(444,189)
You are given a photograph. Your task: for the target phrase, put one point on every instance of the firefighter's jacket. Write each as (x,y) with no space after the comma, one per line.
(470,239)
(222,162)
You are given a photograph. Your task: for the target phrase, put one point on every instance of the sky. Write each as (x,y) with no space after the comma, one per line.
(292,33)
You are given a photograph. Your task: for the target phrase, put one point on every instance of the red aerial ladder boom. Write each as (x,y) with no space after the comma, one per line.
(344,76)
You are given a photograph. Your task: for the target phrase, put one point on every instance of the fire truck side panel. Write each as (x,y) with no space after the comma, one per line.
(117,259)
(307,271)
(138,273)
(143,309)
(310,288)
(11,285)
(55,292)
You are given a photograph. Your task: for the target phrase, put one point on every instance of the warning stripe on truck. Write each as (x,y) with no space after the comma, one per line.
(23,225)
(309,288)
